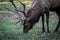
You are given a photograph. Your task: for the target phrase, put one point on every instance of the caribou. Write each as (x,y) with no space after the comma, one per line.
(38,9)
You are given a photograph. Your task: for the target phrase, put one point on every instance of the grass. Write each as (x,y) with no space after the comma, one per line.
(9,31)
(9,5)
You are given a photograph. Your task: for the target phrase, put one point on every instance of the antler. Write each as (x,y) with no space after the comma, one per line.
(23,7)
(9,10)
(18,10)
(14,6)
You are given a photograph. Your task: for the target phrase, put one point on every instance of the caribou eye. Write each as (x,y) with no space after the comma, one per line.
(25,24)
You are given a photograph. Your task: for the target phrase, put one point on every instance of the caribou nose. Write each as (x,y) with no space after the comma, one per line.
(25,31)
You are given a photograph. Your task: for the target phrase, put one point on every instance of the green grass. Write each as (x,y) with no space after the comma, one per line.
(9,31)
(9,5)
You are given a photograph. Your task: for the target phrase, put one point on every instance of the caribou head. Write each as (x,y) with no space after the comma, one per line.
(28,20)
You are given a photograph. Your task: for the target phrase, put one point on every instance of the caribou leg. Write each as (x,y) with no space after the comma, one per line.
(58,14)
(43,29)
(47,19)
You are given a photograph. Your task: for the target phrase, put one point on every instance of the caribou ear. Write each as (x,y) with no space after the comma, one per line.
(28,13)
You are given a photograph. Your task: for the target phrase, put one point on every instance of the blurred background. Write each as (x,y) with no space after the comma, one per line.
(9,31)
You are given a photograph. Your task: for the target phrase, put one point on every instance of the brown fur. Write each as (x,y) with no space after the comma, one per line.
(37,9)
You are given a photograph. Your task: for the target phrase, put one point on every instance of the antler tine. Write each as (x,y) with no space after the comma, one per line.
(23,7)
(16,8)
(9,9)
(14,5)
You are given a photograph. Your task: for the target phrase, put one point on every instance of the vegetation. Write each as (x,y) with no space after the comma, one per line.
(9,31)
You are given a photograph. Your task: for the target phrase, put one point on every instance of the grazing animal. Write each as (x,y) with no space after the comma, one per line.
(38,9)
(47,17)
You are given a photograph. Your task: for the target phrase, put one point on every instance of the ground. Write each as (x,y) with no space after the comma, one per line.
(9,31)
